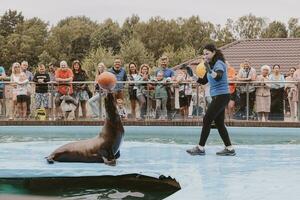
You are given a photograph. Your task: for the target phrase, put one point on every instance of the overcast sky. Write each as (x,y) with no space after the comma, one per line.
(216,11)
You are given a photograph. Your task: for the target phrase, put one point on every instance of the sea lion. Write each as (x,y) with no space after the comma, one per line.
(104,148)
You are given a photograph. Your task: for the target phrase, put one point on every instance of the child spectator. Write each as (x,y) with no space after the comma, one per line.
(68,104)
(41,90)
(121,109)
(169,74)
(161,95)
(22,91)
(198,104)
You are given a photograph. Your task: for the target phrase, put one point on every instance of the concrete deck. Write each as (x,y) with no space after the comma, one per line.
(257,172)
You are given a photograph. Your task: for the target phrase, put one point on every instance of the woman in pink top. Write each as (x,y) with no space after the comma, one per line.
(263,94)
(296,77)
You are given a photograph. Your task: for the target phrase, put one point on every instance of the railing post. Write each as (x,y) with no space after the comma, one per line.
(197,100)
(298,109)
(3,103)
(247,101)
(52,93)
(148,103)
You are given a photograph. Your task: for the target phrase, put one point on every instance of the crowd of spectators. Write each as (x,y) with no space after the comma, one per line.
(143,92)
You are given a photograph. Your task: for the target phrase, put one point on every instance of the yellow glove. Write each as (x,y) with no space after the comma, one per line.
(201,70)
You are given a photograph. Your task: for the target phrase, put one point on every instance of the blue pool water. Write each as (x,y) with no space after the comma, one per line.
(267,165)
(157,134)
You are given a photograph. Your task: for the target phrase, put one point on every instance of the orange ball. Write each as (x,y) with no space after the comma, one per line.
(107,80)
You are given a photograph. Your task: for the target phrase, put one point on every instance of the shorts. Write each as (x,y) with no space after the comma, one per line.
(132,94)
(82,95)
(41,99)
(185,100)
(22,98)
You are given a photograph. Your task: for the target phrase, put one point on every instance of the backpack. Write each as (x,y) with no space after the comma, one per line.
(40,114)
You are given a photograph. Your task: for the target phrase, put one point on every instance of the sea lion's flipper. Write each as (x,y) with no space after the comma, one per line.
(50,160)
(109,158)
(118,154)
(112,162)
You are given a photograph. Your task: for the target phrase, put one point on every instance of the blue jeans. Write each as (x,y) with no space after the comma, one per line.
(94,104)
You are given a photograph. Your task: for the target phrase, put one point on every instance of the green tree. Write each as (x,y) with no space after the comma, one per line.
(107,36)
(26,43)
(128,28)
(275,30)
(3,52)
(45,58)
(294,28)
(223,35)
(197,33)
(135,51)
(249,27)
(70,39)
(158,33)
(91,61)
(179,56)
(9,21)
(36,30)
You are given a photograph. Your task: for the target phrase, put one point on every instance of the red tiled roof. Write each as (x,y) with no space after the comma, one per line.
(270,51)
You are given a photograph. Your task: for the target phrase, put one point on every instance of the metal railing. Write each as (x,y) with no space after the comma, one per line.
(197,106)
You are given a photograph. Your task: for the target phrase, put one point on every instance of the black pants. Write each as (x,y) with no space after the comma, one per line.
(243,102)
(170,102)
(277,97)
(216,112)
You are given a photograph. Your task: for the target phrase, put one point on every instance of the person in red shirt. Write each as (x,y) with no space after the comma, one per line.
(231,75)
(63,77)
